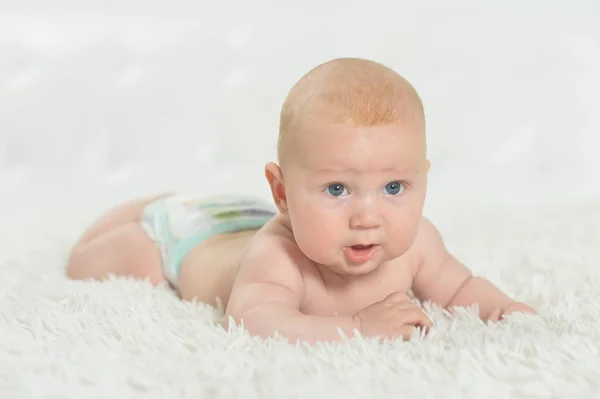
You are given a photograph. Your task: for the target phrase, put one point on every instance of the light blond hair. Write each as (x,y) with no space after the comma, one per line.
(348,91)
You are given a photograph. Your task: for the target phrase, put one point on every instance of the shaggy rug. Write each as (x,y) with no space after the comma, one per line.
(124,339)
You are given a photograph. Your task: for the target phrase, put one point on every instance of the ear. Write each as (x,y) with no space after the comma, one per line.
(275,179)
(427,167)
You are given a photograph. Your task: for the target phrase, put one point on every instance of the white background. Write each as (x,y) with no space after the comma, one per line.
(111,100)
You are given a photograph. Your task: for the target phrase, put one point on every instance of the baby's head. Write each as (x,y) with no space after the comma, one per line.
(352,172)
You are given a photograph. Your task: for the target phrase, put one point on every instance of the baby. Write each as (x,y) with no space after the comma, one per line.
(345,242)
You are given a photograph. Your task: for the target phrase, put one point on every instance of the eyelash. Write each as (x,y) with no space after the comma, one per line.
(403,183)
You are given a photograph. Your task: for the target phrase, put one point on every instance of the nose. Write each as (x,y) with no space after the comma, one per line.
(365,216)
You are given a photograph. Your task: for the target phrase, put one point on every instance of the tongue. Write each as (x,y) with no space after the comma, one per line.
(359,253)
(361,247)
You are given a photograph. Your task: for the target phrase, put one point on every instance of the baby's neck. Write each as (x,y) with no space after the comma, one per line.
(341,282)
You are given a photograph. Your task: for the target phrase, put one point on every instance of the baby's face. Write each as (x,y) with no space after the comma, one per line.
(355,194)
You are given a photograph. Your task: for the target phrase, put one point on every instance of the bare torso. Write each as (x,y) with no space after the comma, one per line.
(346,300)
(210,269)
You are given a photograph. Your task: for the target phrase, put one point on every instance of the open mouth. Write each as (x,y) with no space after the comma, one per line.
(362,247)
(360,253)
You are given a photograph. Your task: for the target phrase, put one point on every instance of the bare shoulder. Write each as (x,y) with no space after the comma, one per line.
(428,245)
(270,257)
(269,271)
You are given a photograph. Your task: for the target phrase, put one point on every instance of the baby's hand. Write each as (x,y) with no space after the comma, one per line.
(395,316)
(512,307)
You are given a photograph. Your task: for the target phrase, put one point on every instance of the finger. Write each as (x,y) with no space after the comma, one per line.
(409,306)
(405,332)
(495,315)
(415,316)
(406,305)
(397,297)
(518,308)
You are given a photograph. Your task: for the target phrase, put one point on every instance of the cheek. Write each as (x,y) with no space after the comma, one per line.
(317,231)
(315,224)
(401,229)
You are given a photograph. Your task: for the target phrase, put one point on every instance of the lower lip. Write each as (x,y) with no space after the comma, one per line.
(360,255)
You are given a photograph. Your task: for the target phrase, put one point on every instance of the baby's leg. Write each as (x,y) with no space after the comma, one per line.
(116,244)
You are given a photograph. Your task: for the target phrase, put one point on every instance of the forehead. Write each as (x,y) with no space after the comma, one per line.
(368,148)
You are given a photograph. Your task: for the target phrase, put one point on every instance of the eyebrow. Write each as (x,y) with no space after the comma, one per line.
(358,171)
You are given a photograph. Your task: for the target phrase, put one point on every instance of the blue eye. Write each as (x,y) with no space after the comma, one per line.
(394,188)
(336,190)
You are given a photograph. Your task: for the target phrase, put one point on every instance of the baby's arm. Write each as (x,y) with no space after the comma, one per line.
(267,294)
(441,278)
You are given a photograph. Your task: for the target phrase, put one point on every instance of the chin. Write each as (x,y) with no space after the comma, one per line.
(358,269)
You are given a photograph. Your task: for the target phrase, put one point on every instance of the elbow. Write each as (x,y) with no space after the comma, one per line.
(258,322)
(236,318)
(248,323)
(231,320)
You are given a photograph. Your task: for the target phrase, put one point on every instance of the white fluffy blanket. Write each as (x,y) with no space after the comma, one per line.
(122,338)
